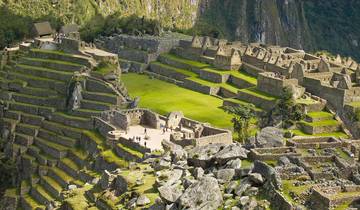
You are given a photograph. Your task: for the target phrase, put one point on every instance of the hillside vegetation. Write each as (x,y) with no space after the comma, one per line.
(329,25)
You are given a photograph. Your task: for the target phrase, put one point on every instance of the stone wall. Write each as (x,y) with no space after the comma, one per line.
(272,154)
(200,88)
(151,44)
(269,83)
(167,71)
(214,76)
(103,127)
(226,93)
(335,96)
(134,145)
(315,142)
(222,138)
(252,70)
(239,83)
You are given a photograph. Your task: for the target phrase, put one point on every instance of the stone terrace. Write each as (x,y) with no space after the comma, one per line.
(51,143)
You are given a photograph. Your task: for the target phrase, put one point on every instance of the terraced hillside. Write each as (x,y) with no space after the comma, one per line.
(232,86)
(54,148)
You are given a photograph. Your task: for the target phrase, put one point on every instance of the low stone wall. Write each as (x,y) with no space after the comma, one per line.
(334,96)
(137,55)
(200,88)
(213,76)
(103,127)
(222,138)
(51,65)
(273,154)
(126,155)
(315,142)
(319,129)
(187,53)
(258,102)
(269,83)
(68,58)
(180,65)
(239,83)
(252,70)
(163,78)
(132,144)
(98,86)
(321,199)
(167,71)
(225,93)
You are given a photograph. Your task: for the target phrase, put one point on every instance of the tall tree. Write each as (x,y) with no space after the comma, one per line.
(242,116)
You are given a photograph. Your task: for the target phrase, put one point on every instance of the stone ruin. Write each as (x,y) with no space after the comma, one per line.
(175,128)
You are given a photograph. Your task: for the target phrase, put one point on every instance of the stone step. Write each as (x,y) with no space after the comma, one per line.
(59,56)
(181,63)
(41,158)
(318,116)
(14,115)
(88,176)
(61,177)
(100,97)
(78,157)
(54,150)
(95,105)
(258,98)
(136,55)
(29,203)
(30,119)
(132,66)
(69,120)
(69,166)
(19,149)
(51,186)
(98,86)
(41,195)
(38,91)
(326,126)
(23,140)
(86,113)
(39,82)
(57,139)
(62,129)
(171,72)
(52,101)
(43,72)
(27,129)
(51,64)
(32,109)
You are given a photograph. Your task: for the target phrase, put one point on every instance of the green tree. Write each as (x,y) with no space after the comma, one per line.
(242,116)
(288,109)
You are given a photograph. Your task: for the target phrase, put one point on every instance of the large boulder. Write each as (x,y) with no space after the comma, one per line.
(225,175)
(170,193)
(230,152)
(204,194)
(268,173)
(168,177)
(270,137)
(176,151)
(142,200)
(203,156)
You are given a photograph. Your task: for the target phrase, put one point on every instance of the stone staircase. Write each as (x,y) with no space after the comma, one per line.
(46,137)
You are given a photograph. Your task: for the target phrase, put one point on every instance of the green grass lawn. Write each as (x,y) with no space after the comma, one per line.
(163,97)
(322,123)
(319,114)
